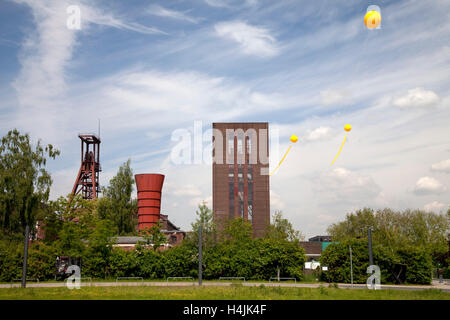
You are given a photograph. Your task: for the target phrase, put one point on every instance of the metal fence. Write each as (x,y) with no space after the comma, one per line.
(20,280)
(129,278)
(32,279)
(176,278)
(232,278)
(83,280)
(278,279)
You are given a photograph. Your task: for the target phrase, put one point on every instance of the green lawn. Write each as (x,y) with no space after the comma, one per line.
(234,292)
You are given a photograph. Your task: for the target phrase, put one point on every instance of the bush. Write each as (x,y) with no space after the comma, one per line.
(252,259)
(419,265)
(41,261)
(337,258)
(11,254)
(180,261)
(123,263)
(150,264)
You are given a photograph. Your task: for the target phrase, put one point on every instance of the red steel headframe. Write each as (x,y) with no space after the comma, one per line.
(88,176)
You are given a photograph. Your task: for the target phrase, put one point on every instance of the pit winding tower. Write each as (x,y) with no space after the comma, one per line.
(88,176)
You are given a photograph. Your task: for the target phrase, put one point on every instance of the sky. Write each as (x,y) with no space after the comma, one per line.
(149,68)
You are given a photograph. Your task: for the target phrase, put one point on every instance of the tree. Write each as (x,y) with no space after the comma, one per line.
(395,230)
(336,257)
(282,229)
(209,232)
(24,182)
(238,231)
(154,237)
(117,204)
(101,243)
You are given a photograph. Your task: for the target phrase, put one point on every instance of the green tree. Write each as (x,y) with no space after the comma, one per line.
(154,237)
(117,204)
(209,231)
(396,230)
(282,229)
(337,258)
(24,182)
(100,249)
(237,230)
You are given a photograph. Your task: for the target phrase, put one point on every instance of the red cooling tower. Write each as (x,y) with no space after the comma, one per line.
(149,188)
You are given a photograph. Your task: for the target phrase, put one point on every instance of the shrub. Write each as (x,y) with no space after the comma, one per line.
(336,256)
(419,264)
(41,261)
(11,254)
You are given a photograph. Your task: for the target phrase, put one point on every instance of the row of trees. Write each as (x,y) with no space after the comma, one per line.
(411,239)
(398,229)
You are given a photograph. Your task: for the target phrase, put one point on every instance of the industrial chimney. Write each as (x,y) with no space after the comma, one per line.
(149,188)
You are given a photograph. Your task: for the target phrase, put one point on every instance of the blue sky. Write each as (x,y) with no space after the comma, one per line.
(148,68)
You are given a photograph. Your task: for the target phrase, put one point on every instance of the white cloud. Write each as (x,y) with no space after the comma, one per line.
(341,185)
(435,206)
(45,56)
(417,97)
(334,96)
(230,3)
(443,166)
(319,134)
(192,94)
(173,14)
(216,3)
(253,40)
(98,16)
(187,190)
(428,185)
(276,201)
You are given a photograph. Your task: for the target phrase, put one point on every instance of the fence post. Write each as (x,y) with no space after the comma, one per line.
(351,265)
(200,255)
(370,246)
(25,257)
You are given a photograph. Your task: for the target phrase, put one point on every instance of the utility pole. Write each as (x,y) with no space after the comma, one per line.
(200,255)
(370,246)
(351,265)
(25,257)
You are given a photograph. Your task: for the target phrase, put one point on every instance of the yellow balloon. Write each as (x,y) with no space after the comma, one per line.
(372,19)
(347,127)
(294,138)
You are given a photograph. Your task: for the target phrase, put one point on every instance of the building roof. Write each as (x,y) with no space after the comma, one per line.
(128,239)
(321,238)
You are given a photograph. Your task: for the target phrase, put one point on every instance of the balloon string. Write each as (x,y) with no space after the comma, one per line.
(340,149)
(281,161)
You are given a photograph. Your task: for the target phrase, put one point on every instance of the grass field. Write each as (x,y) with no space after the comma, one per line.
(234,292)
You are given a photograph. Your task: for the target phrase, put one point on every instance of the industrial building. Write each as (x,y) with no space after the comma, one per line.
(174,236)
(240,173)
(313,250)
(315,246)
